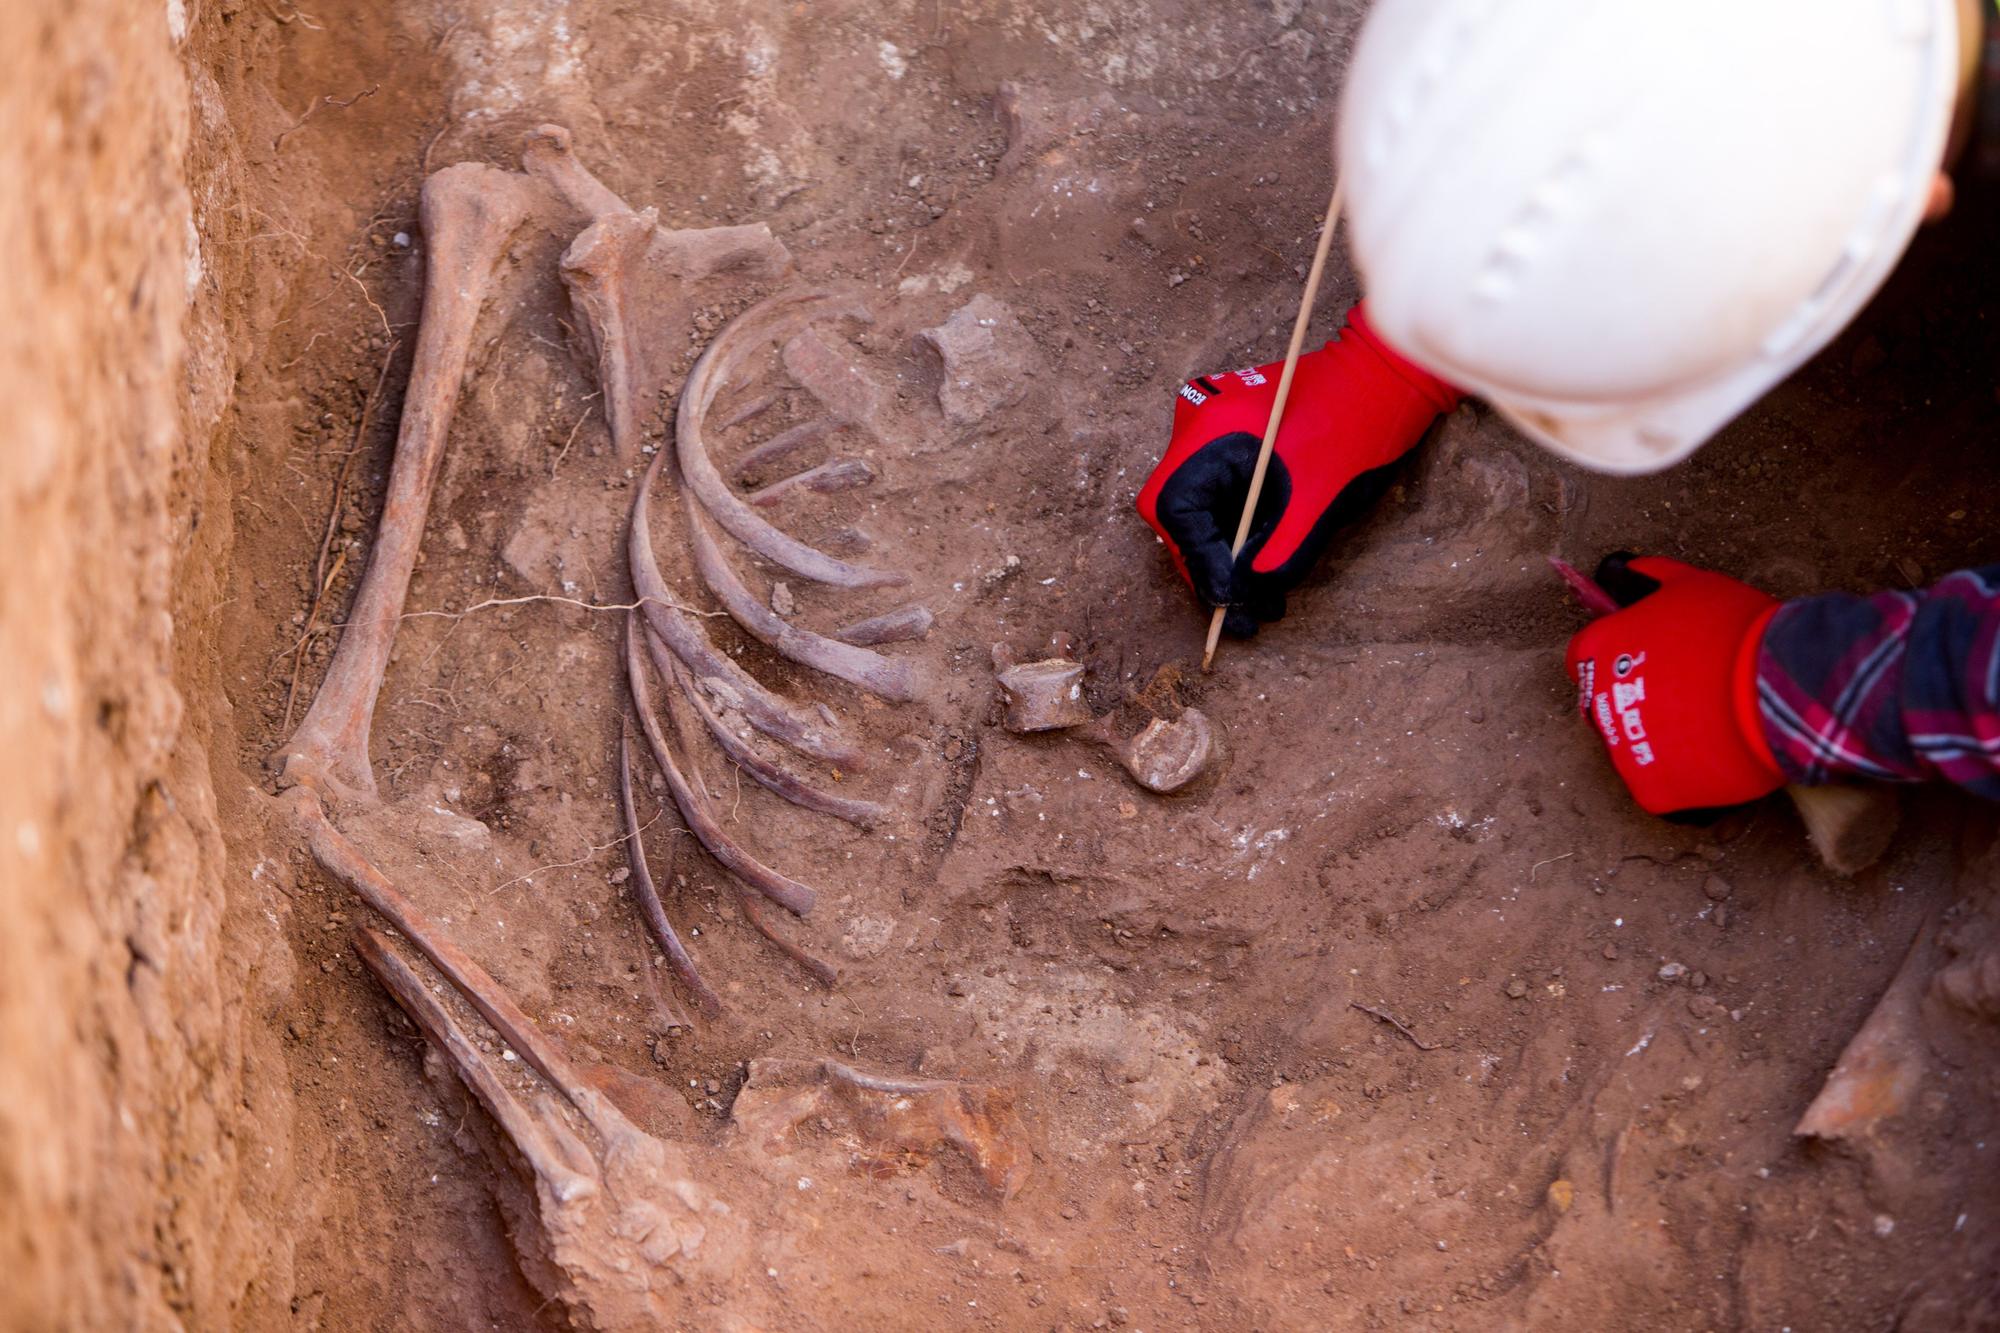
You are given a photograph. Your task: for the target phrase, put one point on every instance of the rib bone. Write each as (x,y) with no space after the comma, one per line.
(782,445)
(647,893)
(886,676)
(835,474)
(781,889)
(469,213)
(862,814)
(905,622)
(776,717)
(743,335)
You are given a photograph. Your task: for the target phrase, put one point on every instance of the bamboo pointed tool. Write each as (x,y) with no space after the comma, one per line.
(1278,406)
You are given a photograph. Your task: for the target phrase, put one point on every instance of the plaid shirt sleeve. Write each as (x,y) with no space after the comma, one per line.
(1902,686)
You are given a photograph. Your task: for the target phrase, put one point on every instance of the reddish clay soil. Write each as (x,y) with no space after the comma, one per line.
(1184,1002)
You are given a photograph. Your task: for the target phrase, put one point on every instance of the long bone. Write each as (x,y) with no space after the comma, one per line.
(341,859)
(888,677)
(775,777)
(781,889)
(616,1218)
(469,212)
(741,337)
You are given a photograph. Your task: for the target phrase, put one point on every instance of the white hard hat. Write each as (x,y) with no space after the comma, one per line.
(1622,223)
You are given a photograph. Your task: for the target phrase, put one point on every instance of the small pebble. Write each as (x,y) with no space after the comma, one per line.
(1611,952)
(1698,980)
(1517,989)
(1717,888)
(1673,972)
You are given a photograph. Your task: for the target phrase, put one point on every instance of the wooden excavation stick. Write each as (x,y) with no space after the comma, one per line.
(1278,405)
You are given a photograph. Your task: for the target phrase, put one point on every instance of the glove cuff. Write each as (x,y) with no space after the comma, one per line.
(1743,696)
(1442,396)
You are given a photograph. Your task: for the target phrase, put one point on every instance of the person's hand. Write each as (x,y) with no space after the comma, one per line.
(1670,684)
(1355,408)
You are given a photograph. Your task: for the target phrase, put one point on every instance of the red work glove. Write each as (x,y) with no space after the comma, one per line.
(1355,408)
(1671,684)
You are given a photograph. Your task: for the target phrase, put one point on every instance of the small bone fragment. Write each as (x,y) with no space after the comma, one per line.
(737,340)
(756,407)
(835,475)
(862,814)
(783,445)
(782,600)
(1041,696)
(1850,827)
(906,1121)
(781,889)
(469,213)
(905,622)
(755,912)
(644,890)
(1878,1073)
(847,391)
(1165,756)
(885,676)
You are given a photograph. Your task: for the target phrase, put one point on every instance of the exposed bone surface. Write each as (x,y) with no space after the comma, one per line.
(846,390)
(469,212)
(619,1217)
(806,731)
(907,622)
(829,478)
(888,677)
(1043,696)
(1166,756)
(783,445)
(987,360)
(1879,1072)
(598,271)
(885,1118)
(781,889)
(742,336)
(767,773)
(646,892)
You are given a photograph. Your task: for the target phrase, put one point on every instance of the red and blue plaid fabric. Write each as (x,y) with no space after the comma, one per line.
(1903,686)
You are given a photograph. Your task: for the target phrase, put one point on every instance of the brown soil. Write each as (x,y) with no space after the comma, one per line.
(230,1124)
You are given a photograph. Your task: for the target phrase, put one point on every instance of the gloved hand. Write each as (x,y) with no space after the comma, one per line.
(1671,684)
(1356,407)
